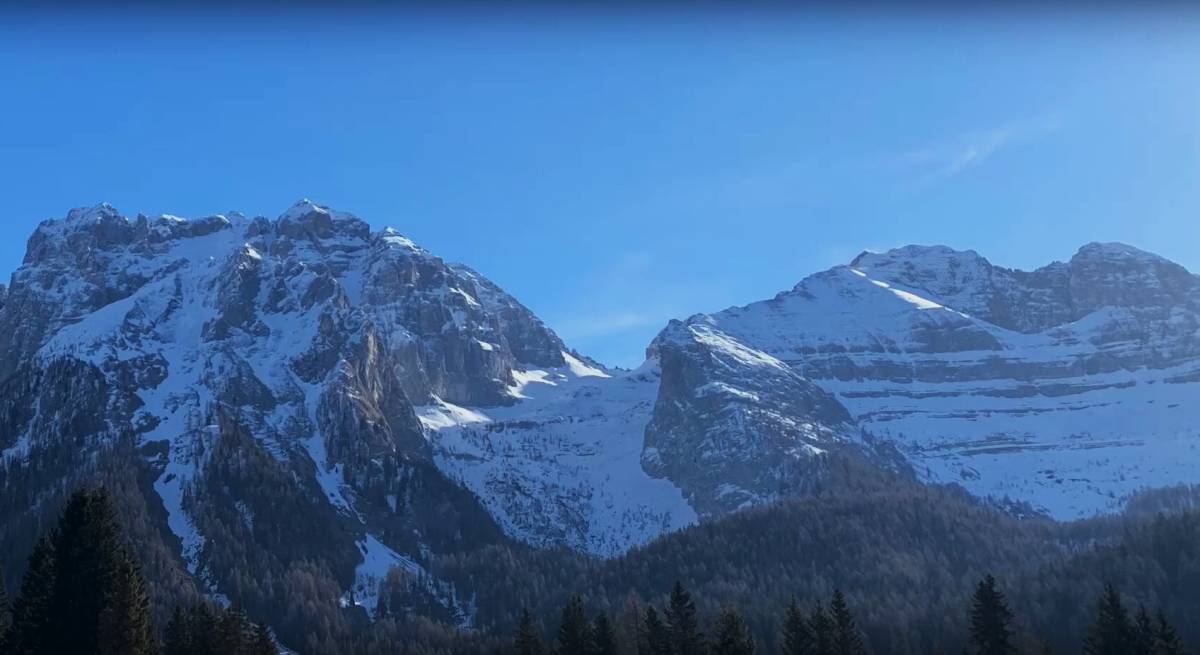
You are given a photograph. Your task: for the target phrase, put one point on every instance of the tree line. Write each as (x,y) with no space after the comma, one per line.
(831,630)
(908,556)
(83,592)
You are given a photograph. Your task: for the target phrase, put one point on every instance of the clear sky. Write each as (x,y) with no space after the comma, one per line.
(615,169)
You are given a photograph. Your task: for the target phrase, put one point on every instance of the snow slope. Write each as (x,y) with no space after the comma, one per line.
(561,467)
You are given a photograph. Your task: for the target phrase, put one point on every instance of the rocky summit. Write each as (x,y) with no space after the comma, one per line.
(301,388)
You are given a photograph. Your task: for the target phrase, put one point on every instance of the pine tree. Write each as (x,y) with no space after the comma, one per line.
(658,636)
(33,627)
(261,643)
(797,637)
(1166,640)
(5,614)
(631,629)
(82,592)
(991,620)
(89,558)
(822,631)
(177,639)
(682,624)
(732,636)
(604,636)
(125,626)
(233,631)
(1143,633)
(846,640)
(1112,632)
(574,631)
(205,631)
(204,628)
(527,641)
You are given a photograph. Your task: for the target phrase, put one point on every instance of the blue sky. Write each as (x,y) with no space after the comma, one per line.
(616,169)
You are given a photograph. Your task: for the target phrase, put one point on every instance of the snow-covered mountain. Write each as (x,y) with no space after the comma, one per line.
(603,461)
(1068,387)
(309,333)
(304,389)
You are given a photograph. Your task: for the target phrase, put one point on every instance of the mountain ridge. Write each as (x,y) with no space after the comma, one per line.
(380,390)
(905,341)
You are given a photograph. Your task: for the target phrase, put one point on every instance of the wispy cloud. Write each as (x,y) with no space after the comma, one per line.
(605,300)
(604,324)
(956,155)
(619,307)
(825,175)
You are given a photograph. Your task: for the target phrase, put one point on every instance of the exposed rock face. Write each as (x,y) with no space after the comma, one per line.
(732,426)
(1066,387)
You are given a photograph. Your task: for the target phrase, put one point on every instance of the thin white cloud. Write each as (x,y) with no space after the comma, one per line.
(614,299)
(766,188)
(603,325)
(945,160)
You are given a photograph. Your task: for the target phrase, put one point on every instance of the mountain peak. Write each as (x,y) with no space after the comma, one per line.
(912,252)
(1115,250)
(98,211)
(303,207)
(920,266)
(314,221)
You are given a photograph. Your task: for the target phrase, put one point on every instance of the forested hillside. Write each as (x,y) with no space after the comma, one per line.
(907,556)
(907,561)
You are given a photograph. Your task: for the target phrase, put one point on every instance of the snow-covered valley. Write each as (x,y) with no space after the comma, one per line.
(562,466)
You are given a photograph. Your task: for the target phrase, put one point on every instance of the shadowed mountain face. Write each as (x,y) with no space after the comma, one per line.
(297,390)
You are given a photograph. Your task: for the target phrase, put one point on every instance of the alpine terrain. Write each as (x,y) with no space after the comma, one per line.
(312,403)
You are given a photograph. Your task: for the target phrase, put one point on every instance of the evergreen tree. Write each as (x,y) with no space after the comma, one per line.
(682,624)
(82,592)
(5,614)
(125,625)
(32,631)
(658,636)
(177,639)
(527,641)
(233,631)
(604,636)
(203,626)
(1111,633)
(991,620)
(203,631)
(1166,640)
(89,560)
(846,640)
(731,635)
(822,631)
(796,637)
(261,643)
(1143,633)
(574,631)
(631,628)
